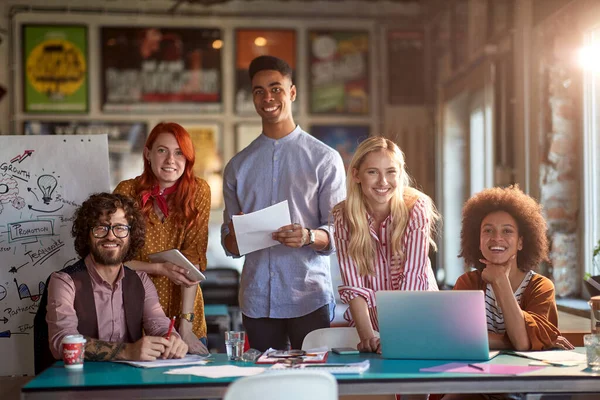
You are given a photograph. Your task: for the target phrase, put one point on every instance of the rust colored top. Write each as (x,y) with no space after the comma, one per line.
(538,305)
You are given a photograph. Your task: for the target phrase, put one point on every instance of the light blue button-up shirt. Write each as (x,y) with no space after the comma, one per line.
(284,282)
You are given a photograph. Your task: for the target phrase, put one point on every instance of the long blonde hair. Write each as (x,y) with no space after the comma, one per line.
(361,247)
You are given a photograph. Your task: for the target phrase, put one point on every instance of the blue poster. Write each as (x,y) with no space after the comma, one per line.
(343,138)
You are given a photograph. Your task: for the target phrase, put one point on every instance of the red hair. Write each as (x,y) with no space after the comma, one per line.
(181,203)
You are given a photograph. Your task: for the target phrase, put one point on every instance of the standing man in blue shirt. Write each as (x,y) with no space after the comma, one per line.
(285,290)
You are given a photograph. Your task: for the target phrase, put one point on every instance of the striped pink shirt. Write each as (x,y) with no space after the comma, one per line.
(390,274)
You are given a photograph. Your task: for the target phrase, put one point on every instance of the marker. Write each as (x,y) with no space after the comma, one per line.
(476,367)
(171,328)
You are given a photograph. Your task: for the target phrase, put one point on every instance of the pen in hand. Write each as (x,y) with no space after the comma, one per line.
(476,367)
(171,325)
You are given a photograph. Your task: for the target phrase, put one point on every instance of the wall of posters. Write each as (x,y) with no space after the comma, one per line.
(206,138)
(153,69)
(251,43)
(125,142)
(344,138)
(55,69)
(339,72)
(406,71)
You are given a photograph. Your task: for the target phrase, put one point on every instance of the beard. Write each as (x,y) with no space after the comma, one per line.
(109,257)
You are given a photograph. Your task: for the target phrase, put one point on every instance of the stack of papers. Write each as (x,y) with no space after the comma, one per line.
(190,359)
(272,356)
(336,369)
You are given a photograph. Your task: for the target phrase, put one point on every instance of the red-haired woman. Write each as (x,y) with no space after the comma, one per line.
(176,205)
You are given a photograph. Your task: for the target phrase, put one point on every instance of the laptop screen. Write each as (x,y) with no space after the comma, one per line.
(440,325)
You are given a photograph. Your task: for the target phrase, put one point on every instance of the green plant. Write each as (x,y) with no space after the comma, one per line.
(596,262)
(596,256)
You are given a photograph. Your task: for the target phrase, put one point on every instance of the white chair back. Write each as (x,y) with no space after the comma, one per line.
(289,385)
(332,337)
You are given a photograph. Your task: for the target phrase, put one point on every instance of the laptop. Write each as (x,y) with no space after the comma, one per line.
(444,325)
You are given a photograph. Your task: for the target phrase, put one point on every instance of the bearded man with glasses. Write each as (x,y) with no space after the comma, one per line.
(99,297)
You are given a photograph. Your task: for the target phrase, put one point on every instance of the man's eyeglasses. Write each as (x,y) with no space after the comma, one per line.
(120,231)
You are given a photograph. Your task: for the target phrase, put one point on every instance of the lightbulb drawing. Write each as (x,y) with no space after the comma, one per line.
(47,184)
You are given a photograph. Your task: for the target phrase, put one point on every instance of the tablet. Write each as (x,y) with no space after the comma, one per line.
(174,256)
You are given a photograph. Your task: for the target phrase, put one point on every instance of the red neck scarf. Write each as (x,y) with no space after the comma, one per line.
(160,197)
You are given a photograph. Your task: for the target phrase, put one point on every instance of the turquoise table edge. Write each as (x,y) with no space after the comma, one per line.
(384,376)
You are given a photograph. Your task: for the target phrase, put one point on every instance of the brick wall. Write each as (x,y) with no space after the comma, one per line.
(560,135)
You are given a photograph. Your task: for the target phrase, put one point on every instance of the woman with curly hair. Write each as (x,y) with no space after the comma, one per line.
(503,237)
(176,206)
(382,235)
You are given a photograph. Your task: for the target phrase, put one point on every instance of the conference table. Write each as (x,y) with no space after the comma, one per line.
(113,380)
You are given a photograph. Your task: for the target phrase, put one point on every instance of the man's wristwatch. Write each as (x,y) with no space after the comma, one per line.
(311,237)
(187,316)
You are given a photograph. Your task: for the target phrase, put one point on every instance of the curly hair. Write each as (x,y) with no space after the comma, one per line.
(526,211)
(94,208)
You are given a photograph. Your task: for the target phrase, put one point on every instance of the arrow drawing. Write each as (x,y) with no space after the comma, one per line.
(15,269)
(21,157)
(7,334)
(44,211)
(33,193)
(5,320)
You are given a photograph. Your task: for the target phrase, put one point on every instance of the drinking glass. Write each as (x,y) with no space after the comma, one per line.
(592,350)
(234,343)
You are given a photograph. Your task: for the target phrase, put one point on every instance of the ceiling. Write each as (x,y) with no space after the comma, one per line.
(178,3)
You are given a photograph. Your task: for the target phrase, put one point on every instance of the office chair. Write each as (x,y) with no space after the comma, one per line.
(289,385)
(332,337)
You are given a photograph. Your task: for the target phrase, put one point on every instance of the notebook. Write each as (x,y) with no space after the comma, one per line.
(444,325)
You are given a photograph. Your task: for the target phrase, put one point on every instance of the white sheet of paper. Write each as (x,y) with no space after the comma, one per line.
(253,231)
(189,359)
(221,371)
(557,356)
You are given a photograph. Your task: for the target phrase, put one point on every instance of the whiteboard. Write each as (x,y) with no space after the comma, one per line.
(43,179)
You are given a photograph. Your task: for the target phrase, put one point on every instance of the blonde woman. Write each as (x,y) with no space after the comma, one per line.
(383,231)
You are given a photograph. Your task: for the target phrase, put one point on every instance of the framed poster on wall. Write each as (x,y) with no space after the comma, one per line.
(154,69)
(245,133)
(207,141)
(251,43)
(343,138)
(339,72)
(126,142)
(55,69)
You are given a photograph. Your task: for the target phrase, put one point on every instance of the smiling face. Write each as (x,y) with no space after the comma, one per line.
(166,159)
(499,237)
(379,178)
(110,250)
(273,95)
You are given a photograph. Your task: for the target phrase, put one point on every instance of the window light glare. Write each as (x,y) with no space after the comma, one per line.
(589,58)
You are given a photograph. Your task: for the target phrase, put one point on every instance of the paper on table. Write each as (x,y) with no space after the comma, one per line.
(190,359)
(253,231)
(482,368)
(565,357)
(221,371)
